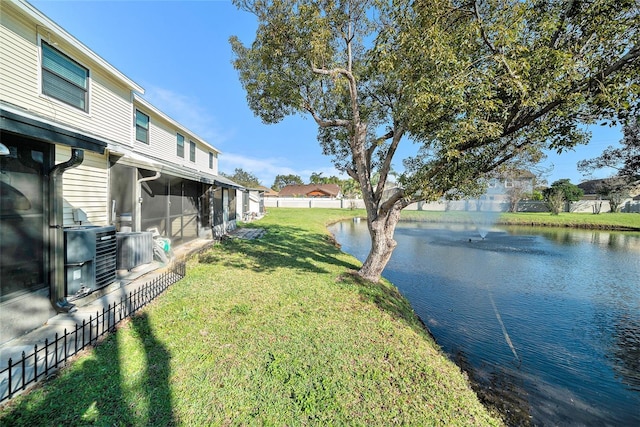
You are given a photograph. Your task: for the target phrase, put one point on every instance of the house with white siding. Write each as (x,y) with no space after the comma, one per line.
(82,153)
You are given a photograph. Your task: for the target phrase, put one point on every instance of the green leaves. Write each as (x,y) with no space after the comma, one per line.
(477,85)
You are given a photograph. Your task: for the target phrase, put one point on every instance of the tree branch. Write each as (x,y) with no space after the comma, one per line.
(482,32)
(556,35)
(497,52)
(396,135)
(396,197)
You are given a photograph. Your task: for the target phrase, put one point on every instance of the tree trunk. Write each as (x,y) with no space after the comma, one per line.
(381,230)
(381,218)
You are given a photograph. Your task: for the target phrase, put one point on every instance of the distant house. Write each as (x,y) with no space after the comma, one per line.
(593,188)
(268,192)
(311,190)
(502,184)
(251,204)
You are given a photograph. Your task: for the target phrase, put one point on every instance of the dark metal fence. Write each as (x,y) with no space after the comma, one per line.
(46,359)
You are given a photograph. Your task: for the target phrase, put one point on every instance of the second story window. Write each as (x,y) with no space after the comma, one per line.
(192,151)
(64,79)
(142,127)
(180,146)
(210,160)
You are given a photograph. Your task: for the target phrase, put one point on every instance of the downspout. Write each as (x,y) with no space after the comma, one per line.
(56,233)
(138,213)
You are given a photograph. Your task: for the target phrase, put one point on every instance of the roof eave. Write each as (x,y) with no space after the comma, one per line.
(47,23)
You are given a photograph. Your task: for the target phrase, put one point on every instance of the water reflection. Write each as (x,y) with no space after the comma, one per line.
(499,388)
(625,351)
(547,321)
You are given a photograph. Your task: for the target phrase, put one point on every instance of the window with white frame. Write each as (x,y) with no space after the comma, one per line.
(142,127)
(180,145)
(210,160)
(64,79)
(508,183)
(192,151)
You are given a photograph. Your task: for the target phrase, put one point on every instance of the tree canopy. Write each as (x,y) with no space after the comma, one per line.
(242,177)
(282,181)
(570,192)
(317,178)
(475,85)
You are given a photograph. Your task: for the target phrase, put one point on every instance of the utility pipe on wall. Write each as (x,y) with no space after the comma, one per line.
(56,233)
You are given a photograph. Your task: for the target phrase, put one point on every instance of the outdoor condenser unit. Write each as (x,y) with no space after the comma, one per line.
(134,249)
(90,257)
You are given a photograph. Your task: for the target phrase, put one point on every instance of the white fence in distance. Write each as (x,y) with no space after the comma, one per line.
(582,206)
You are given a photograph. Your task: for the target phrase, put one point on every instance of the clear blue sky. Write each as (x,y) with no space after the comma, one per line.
(179,52)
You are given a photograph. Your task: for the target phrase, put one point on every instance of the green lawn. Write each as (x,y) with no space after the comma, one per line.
(622,221)
(274,331)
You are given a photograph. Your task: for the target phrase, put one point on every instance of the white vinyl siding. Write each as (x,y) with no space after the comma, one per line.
(162,145)
(162,141)
(109,114)
(85,187)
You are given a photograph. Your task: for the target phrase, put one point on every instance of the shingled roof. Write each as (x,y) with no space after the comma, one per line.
(310,190)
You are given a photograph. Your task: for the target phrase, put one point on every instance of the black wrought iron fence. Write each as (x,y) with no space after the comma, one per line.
(45,360)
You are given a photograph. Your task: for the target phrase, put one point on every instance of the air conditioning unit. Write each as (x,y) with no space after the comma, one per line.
(134,249)
(90,258)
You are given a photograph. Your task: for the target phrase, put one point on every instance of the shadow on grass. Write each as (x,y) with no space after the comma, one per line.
(387,298)
(90,391)
(299,249)
(281,247)
(155,381)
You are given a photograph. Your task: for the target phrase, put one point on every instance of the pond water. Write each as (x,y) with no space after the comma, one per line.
(545,321)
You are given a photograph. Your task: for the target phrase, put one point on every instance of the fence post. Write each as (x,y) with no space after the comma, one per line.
(35,364)
(46,357)
(55,349)
(10,373)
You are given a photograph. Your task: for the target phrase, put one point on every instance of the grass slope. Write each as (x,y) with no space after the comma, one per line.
(274,331)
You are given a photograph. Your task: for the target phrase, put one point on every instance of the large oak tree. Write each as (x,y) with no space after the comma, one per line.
(475,85)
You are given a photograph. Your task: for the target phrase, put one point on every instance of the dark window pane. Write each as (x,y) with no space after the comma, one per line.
(62,90)
(64,79)
(141,134)
(64,67)
(142,127)
(180,146)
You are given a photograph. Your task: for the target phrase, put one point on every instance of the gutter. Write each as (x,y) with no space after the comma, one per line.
(56,233)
